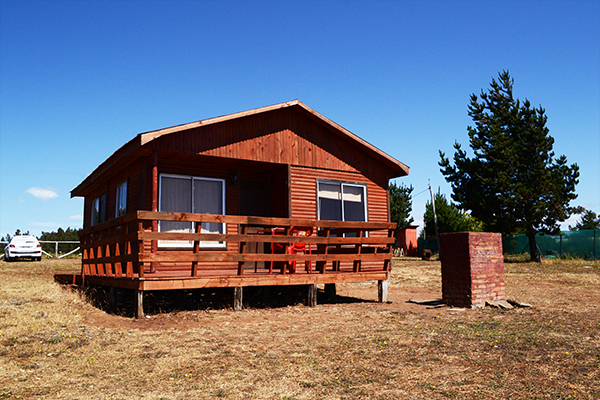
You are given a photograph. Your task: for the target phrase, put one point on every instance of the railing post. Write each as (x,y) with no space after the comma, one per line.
(140,250)
(358,247)
(243,229)
(322,265)
(196,250)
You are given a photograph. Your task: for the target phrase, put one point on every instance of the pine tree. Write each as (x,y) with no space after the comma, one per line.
(450,218)
(589,220)
(514,183)
(401,205)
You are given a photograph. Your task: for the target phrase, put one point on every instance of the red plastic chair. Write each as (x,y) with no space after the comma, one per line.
(297,248)
(276,248)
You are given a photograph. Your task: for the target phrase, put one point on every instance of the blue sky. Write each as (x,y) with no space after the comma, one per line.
(78,79)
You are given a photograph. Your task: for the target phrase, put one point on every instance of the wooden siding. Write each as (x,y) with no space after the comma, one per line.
(304,196)
(108,186)
(282,137)
(304,192)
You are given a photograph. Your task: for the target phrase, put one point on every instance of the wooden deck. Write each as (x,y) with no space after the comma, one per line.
(125,253)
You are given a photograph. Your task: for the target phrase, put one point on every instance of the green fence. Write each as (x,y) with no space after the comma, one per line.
(430,244)
(577,244)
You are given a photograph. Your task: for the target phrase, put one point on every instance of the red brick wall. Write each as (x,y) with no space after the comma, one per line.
(472,268)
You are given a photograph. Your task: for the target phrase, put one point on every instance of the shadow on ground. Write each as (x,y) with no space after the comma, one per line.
(169,301)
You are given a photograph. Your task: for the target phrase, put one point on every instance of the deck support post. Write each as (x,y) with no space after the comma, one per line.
(382,290)
(139,303)
(237,298)
(330,291)
(312,296)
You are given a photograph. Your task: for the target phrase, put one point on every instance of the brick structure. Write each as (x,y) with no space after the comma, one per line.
(472,268)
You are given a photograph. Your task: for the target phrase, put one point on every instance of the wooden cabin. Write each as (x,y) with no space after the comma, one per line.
(278,195)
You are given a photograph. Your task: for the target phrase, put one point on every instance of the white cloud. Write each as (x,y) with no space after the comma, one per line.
(76,217)
(42,193)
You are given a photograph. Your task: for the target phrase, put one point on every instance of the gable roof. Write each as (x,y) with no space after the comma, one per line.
(142,139)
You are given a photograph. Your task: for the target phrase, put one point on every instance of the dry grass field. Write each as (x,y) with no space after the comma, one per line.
(54,344)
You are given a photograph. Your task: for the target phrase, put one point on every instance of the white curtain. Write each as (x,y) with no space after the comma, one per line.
(191,195)
(175,196)
(208,199)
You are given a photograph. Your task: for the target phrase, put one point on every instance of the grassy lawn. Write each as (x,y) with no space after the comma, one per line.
(54,344)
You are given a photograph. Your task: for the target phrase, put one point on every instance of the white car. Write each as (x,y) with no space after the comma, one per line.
(23,246)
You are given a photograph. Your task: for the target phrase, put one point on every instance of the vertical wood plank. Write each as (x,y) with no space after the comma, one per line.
(108,265)
(139,303)
(242,246)
(322,265)
(196,250)
(237,298)
(358,247)
(129,265)
(117,254)
(312,296)
(140,251)
(382,290)
(387,264)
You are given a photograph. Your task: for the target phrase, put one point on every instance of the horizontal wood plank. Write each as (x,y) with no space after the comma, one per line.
(147,235)
(233,257)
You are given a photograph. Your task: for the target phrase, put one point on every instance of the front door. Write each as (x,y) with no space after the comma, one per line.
(254,198)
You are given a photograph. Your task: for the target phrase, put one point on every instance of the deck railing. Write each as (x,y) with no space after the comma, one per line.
(127,246)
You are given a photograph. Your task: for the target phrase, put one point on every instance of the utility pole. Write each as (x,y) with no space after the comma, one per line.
(437,233)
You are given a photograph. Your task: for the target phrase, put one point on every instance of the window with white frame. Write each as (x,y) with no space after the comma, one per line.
(191,194)
(340,201)
(121,200)
(98,210)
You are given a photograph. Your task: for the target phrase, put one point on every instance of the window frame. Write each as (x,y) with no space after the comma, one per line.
(120,197)
(341,184)
(98,210)
(189,244)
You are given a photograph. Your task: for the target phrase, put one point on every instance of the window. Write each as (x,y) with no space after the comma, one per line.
(121,200)
(342,201)
(192,195)
(98,210)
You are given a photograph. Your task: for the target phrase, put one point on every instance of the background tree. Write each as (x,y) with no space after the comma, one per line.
(450,218)
(589,220)
(401,204)
(60,235)
(17,233)
(514,183)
